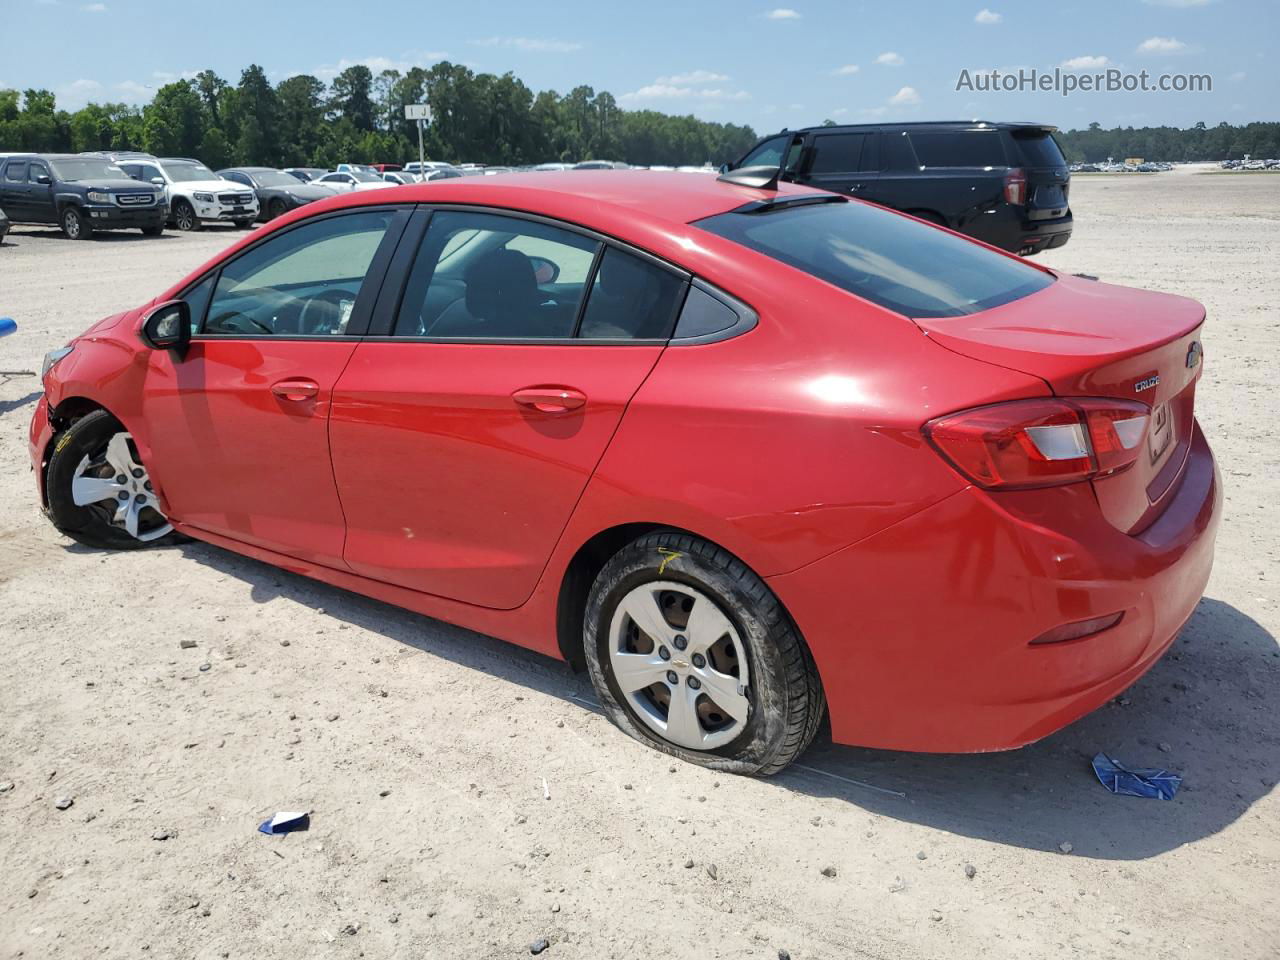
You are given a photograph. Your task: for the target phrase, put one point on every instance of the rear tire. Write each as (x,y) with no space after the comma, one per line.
(184,216)
(75,224)
(720,624)
(98,489)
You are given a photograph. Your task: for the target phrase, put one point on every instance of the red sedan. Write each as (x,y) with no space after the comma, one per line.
(746,454)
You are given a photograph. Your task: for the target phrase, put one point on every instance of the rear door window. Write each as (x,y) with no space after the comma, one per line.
(16,171)
(896,153)
(631,299)
(962,148)
(887,259)
(837,152)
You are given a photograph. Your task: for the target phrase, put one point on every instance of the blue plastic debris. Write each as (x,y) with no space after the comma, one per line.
(1120,780)
(285,823)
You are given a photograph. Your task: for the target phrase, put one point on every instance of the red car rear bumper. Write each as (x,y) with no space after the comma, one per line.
(922,633)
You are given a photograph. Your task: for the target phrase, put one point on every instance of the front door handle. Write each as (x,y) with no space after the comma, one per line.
(552,400)
(295,390)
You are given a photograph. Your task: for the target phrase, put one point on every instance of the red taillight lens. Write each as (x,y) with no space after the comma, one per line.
(1015,186)
(1041,443)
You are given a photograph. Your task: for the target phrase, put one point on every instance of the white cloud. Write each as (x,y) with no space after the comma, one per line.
(670,91)
(986,16)
(74,95)
(407,62)
(1085,62)
(693,76)
(848,70)
(134,90)
(783,13)
(530,44)
(164,76)
(890,59)
(905,96)
(1161,45)
(94,8)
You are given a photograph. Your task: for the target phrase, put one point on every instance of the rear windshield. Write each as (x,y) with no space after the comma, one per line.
(902,265)
(1039,150)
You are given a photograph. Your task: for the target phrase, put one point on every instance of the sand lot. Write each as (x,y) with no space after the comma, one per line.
(422,749)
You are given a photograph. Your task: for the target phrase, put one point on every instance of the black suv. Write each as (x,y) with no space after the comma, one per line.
(80,194)
(1004,183)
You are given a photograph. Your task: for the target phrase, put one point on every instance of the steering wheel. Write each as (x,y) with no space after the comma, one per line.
(334,299)
(231,322)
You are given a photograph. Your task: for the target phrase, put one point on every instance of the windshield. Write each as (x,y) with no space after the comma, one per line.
(1040,150)
(365,176)
(184,171)
(908,267)
(274,178)
(87,168)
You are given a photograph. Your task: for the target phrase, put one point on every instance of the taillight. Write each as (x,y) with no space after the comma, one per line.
(1041,443)
(1015,186)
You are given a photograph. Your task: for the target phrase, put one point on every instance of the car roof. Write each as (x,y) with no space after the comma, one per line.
(600,199)
(923,124)
(252,169)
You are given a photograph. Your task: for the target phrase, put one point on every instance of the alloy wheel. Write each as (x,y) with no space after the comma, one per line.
(116,483)
(680,664)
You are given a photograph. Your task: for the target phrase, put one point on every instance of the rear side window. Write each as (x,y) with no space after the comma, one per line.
(896,153)
(631,299)
(480,276)
(1039,149)
(968,148)
(16,171)
(837,152)
(883,257)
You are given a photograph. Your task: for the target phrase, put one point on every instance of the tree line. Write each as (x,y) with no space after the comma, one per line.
(479,117)
(1200,142)
(359,117)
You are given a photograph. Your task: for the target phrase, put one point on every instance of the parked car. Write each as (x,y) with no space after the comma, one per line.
(1004,183)
(594,165)
(4,225)
(81,194)
(385,167)
(441,173)
(195,194)
(397,179)
(357,167)
(427,166)
(277,192)
(306,174)
(350,180)
(685,431)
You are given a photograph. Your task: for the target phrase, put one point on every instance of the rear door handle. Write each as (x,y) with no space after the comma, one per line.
(295,390)
(552,400)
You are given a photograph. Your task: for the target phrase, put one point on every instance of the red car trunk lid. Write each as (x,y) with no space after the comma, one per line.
(1090,339)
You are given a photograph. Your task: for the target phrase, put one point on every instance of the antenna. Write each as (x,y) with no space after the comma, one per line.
(762,178)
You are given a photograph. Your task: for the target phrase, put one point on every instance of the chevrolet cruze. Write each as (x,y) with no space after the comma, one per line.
(749,453)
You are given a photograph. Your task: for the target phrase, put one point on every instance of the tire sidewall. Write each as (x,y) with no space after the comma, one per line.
(84,438)
(640,563)
(72,215)
(193,222)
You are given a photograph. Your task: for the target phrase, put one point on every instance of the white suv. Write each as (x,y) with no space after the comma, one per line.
(195,193)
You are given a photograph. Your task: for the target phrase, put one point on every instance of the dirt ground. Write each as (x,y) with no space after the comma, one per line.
(422,749)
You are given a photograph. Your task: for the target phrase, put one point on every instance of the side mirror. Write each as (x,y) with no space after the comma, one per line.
(544,270)
(158,181)
(724,168)
(45,179)
(167,326)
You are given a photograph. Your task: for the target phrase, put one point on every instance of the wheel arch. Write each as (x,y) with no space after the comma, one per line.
(586,564)
(68,411)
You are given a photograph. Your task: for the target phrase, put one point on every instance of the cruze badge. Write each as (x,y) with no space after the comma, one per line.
(1146,384)
(1194,353)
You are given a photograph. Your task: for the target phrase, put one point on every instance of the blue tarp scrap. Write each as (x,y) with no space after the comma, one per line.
(1120,780)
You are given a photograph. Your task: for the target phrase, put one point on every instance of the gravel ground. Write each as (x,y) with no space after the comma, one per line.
(423,749)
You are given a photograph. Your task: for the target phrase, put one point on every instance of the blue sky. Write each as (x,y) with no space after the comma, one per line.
(730,60)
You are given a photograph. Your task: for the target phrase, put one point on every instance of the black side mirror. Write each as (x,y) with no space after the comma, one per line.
(724,168)
(167,326)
